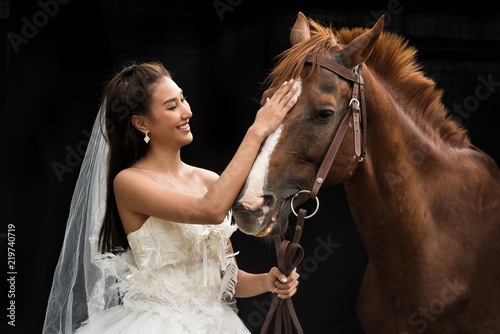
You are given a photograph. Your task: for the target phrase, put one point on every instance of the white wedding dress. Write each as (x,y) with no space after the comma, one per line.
(179,278)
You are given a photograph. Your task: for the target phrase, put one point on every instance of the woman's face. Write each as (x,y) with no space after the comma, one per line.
(170,114)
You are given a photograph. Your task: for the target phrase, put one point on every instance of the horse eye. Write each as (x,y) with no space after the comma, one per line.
(324,114)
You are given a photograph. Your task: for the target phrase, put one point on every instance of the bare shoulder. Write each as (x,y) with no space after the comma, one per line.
(130,186)
(128,178)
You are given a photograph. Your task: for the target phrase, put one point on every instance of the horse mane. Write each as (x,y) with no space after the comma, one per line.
(394,62)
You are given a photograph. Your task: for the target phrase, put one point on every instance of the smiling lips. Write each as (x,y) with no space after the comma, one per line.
(184,127)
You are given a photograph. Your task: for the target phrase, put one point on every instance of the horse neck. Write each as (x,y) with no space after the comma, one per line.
(384,193)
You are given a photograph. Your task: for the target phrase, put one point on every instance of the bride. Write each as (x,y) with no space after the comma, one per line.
(147,246)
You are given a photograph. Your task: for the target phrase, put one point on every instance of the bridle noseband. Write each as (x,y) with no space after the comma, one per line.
(291,254)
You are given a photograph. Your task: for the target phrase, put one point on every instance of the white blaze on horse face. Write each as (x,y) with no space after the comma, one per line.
(253,197)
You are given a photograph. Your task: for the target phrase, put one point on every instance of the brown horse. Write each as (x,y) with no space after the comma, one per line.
(425,201)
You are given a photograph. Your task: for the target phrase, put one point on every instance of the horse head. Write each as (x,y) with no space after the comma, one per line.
(290,157)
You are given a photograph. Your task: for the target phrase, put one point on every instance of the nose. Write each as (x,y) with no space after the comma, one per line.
(187,114)
(186,110)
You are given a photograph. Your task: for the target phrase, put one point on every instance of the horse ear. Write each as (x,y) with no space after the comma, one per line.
(300,30)
(361,47)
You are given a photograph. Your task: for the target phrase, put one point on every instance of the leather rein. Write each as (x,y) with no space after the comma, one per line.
(290,254)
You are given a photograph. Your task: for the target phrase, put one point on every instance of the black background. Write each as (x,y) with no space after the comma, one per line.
(51,85)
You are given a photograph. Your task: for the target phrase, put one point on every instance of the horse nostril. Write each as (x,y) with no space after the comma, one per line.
(269,200)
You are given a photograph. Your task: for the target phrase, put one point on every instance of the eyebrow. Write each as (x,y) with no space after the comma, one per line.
(172,99)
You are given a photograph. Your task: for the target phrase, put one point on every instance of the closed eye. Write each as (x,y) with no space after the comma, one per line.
(183,99)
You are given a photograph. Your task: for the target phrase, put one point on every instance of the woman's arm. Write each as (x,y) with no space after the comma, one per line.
(137,193)
(250,285)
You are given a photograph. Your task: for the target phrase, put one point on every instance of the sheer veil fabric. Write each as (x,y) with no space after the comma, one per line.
(83,278)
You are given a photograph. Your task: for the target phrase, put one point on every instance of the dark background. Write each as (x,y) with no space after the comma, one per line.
(51,85)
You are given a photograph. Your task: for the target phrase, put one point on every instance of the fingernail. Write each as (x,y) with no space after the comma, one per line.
(284,279)
(284,83)
(267,99)
(291,80)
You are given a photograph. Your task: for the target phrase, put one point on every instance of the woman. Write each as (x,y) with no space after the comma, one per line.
(167,264)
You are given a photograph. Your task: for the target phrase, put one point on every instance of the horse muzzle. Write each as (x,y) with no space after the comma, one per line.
(266,220)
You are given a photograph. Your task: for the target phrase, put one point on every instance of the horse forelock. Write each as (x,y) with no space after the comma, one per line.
(394,62)
(291,62)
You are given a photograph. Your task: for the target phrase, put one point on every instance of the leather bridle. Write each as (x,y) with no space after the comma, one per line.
(356,107)
(291,254)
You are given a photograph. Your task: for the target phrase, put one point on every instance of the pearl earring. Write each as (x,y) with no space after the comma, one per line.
(146,139)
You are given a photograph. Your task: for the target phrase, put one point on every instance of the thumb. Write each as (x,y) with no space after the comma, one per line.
(279,275)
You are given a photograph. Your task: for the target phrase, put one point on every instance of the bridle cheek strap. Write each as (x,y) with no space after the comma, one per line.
(355,104)
(356,110)
(326,164)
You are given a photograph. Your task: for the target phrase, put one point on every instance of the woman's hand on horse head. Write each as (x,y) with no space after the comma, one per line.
(277,282)
(270,116)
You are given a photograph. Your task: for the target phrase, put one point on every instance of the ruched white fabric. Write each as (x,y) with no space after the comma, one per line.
(177,278)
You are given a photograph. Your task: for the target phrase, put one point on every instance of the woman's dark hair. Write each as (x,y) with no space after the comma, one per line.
(127,94)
